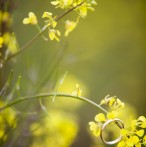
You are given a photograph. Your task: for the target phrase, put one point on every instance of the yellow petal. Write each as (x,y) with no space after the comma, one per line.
(140,133)
(112,115)
(54,23)
(124,132)
(144,140)
(55,3)
(26,21)
(47,14)
(100,117)
(52,35)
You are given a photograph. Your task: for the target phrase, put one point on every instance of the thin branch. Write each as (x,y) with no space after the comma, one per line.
(45,95)
(26,45)
(39,34)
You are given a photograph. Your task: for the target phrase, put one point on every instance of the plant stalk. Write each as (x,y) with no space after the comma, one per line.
(44,95)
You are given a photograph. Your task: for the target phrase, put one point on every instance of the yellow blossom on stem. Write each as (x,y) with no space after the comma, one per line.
(63,4)
(82,10)
(100,117)
(132,141)
(124,132)
(77,92)
(32,19)
(69,26)
(112,102)
(50,22)
(140,133)
(112,115)
(95,128)
(54,34)
(141,122)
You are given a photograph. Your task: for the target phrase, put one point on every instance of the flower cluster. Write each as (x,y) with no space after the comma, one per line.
(80,6)
(96,126)
(7,38)
(134,135)
(112,102)
(100,119)
(51,24)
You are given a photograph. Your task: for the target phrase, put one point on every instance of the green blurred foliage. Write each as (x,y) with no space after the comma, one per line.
(107,52)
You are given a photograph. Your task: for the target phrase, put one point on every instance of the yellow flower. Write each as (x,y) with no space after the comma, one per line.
(83,9)
(122,144)
(1,41)
(77,92)
(144,140)
(112,102)
(100,117)
(142,122)
(10,41)
(63,4)
(50,22)
(32,19)
(53,34)
(95,128)
(69,26)
(132,141)
(124,132)
(112,115)
(140,133)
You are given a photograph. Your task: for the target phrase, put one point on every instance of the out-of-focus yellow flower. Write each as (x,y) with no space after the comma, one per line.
(82,10)
(32,19)
(69,26)
(112,102)
(100,117)
(59,131)
(51,21)
(134,135)
(63,4)
(10,41)
(7,121)
(54,34)
(112,115)
(77,92)
(95,128)
(5,17)
(1,41)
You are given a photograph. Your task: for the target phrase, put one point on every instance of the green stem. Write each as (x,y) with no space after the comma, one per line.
(40,33)
(26,45)
(44,95)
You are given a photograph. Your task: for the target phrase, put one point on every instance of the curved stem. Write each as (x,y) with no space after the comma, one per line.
(40,33)
(44,95)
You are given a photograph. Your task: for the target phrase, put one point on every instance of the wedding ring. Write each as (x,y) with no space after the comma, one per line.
(119,123)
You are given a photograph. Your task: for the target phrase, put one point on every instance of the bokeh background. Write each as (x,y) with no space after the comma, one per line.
(105,54)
